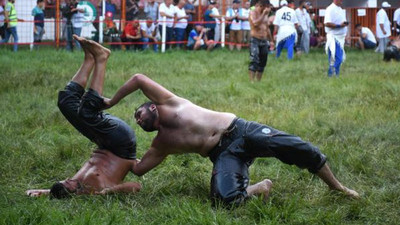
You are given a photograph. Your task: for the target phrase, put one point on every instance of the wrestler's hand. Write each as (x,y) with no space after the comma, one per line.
(266,11)
(107,103)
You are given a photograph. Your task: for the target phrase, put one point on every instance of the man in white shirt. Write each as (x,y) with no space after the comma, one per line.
(168,10)
(246,23)
(383,31)
(217,29)
(304,27)
(149,33)
(396,21)
(367,39)
(285,26)
(336,29)
(78,21)
(180,22)
(2,28)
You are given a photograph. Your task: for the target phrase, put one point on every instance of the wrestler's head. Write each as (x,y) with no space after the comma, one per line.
(64,189)
(390,53)
(261,3)
(146,116)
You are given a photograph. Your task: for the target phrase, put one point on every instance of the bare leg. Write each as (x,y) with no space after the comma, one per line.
(261,188)
(86,68)
(239,47)
(258,76)
(327,176)
(251,76)
(101,55)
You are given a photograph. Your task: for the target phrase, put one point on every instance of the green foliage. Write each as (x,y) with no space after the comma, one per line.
(354,119)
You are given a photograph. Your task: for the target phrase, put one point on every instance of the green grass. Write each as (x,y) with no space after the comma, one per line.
(353,119)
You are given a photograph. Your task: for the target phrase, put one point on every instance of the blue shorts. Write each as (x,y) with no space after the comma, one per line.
(368,44)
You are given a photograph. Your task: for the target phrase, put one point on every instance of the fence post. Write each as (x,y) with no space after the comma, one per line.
(57,23)
(101,21)
(32,33)
(223,32)
(163,33)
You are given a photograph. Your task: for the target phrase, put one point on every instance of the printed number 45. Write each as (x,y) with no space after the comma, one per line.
(286,16)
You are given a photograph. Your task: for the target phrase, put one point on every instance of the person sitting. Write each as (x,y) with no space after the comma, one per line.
(366,39)
(110,32)
(107,167)
(149,33)
(198,39)
(392,51)
(131,35)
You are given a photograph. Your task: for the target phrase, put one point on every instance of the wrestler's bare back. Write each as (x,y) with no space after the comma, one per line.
(189,128)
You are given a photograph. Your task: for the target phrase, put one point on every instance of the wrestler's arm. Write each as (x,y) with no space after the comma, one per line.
(127,187)
(333,26)
(152,158)
(257,21)
(154,91)
(38,192)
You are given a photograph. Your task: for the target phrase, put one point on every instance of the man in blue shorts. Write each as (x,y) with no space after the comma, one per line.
(366,38)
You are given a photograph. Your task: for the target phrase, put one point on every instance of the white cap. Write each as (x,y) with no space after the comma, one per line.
(386,5)
(283,2)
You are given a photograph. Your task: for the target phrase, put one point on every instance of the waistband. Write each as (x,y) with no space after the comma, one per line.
(259,40)
(230,134)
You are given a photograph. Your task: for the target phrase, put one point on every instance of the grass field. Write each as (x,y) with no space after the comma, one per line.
(354,119)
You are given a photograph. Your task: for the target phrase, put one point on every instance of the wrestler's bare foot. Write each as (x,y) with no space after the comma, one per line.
(99,52)
(37,193)
(349,192)
(261,188)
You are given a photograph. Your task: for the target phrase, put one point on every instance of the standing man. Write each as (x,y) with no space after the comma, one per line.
(234,15)
(260,34)
(304,27)
(78,21)
(190,11)
(285,27)
(10,15)
(210,20)
(245,23)
(336,30)
(38,15)
(168,10)
(181,23)
(151,9)
(217,16)
(383,31)
(68,11)
(2,18)
(396,21)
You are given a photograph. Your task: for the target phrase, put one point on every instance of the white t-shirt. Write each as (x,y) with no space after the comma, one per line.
(182,23)
(382,18)
(148,30)
(286,18)
(370,35)
(245,23)
(1,16)
(396,16)
(304,19)
(235,25)
(78,19)
(336,15)
(215,12)
(170,11)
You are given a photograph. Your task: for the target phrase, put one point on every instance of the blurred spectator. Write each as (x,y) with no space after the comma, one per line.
(366,39)
(2,27)
(383,31)
(149,33)
(151,9)
(217,29)
(245,23)
(198,39)
(336,29)
(392,51)
(168,10)
(110,8)
(190,11)
(110,32)
(78,20)
(181,22)
(132,9)
(209,20)
(234,15)
(131,34)
(285,22)
(396,21)
(303,30)
(68,11)
(11,20)
(38,14)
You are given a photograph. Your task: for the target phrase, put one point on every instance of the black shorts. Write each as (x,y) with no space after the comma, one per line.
(84,112)
(258,54)
(241,144)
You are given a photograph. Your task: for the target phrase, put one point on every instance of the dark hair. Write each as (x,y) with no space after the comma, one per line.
(391,53)
(301,2)
(39,1)
(58,190)
(262,2)
(146,105)
(358,25)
